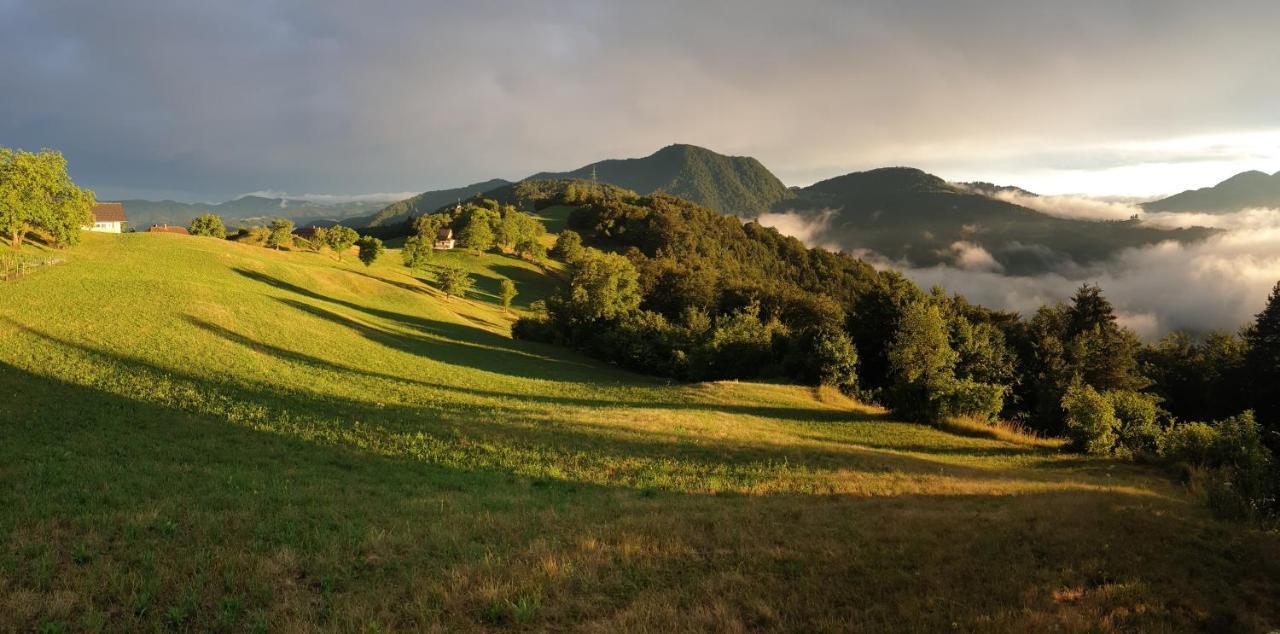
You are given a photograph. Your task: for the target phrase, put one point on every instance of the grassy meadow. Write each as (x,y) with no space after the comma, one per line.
(197,435)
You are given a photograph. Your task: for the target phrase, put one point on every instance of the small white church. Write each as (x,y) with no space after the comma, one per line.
(108,218)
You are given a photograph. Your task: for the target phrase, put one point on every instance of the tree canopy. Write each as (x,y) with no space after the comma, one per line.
(37,195)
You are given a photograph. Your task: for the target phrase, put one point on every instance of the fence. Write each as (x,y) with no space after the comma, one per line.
(17,265)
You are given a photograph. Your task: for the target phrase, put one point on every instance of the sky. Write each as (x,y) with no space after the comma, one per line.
(198,100)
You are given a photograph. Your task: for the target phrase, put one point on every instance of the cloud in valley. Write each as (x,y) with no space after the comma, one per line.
(1068,206)
(1218,284)
(807,228)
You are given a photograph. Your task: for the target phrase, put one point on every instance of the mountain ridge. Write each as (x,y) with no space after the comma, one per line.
(1253,188)
(910,216)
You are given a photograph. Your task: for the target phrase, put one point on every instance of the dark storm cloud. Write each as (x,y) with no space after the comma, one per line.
(208,99)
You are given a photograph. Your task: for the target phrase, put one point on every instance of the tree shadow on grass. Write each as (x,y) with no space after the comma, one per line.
(508,438)
(313,363)
(465,345)
(531,286)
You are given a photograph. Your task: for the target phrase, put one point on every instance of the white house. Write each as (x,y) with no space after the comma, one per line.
(108,218)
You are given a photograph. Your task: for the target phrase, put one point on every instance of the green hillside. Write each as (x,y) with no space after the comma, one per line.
(424,203)
(737,185)
(1242,191)
(208,436)
(909,215)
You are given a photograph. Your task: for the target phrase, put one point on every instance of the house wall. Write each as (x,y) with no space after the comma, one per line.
(107,227)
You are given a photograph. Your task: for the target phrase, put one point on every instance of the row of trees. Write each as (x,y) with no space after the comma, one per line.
(279,234)
(664,286)
(38,197)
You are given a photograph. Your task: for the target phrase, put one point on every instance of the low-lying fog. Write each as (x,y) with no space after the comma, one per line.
(1217,284)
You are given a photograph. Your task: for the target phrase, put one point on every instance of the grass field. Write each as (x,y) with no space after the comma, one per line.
(206,436)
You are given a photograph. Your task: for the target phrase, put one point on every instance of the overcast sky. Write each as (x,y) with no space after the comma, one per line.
(202,100)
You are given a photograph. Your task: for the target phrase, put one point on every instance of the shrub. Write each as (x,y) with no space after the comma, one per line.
(1188,443)
(1243,480)
(537,328)
(973,399)
(1090,420)
(208,225)
(1137,431)
(253,235)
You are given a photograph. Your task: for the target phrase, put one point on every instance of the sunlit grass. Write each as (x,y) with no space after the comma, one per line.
(210,436)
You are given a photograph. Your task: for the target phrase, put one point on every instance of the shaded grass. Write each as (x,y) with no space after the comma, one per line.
(211,436)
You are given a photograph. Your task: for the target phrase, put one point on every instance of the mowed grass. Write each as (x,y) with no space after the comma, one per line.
(206,436)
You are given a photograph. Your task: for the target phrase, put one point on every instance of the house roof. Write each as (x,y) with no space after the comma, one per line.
(109,212)
(445,234)
(167,229)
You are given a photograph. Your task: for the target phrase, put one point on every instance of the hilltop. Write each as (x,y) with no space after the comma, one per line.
(205,435)
(908,215)
(1242,191)
(736,185)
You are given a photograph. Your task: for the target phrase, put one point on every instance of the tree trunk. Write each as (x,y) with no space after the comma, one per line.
(16,239)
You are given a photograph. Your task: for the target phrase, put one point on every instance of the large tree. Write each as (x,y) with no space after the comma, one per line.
(454,280)
(340,238)
(416,252)
(477,234)
(922,363)
(1262,365)
(1105,353)
(280,233)
(370,249)
(37,194)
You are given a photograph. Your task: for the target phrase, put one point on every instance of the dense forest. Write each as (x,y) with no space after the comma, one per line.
(664,286)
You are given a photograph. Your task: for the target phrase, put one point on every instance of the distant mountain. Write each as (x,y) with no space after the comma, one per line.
(737,185)
(908,215)
(244,210)
(1242,191)
(423,203)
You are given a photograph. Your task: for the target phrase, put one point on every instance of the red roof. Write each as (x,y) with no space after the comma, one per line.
(167,229)
(109,212)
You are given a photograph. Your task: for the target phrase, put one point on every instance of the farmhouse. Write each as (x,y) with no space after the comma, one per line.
(108,218)
(167,229)
(444,239)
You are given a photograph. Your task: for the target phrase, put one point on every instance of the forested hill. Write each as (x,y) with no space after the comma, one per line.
(737,185)
(423,203)
(1242,191)
(908,215)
